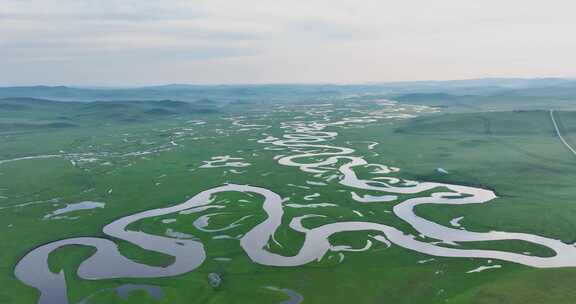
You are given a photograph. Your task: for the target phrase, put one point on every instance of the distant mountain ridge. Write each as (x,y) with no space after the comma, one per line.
(221,95)
(33,113)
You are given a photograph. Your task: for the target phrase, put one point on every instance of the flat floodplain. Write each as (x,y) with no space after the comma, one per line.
(330,164)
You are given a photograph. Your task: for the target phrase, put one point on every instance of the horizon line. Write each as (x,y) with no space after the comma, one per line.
(375,83)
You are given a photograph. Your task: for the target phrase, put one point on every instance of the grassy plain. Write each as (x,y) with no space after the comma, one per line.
(514,153)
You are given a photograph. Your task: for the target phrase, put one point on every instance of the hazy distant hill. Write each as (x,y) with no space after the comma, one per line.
(220,94)
(33,113)
(193,92)
(466,93)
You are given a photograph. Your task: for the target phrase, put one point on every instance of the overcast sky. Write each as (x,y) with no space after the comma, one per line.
(139,42)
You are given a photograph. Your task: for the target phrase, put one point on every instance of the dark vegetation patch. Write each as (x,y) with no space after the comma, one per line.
(159,111)
(29,114)
(29,126)
(12,107)
(488,123)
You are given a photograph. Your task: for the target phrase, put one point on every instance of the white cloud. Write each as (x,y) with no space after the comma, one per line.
(285,40)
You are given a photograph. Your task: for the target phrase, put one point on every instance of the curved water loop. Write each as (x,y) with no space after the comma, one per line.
(313,155)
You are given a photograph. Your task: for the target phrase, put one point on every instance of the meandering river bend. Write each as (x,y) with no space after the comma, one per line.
(306,142)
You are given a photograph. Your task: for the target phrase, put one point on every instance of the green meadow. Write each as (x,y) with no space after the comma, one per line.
(141,155)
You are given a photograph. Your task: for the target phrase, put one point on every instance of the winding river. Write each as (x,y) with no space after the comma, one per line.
(309,152)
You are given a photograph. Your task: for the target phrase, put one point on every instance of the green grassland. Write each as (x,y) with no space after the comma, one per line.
(514,153)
